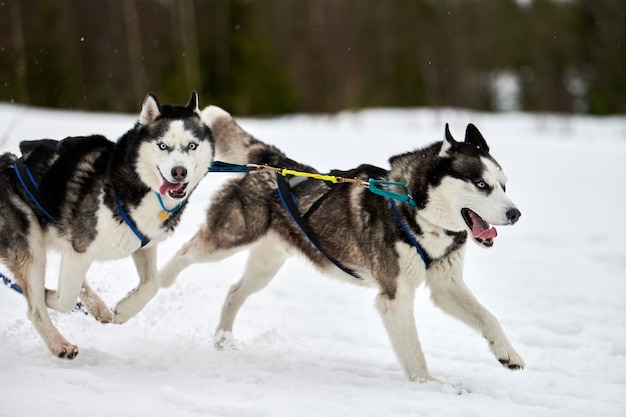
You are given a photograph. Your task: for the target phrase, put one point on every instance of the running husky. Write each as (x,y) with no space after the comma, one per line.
(93,199)
(455,190)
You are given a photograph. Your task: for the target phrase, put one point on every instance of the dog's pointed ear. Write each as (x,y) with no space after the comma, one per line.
(448,142)
(474,138)
(150,110)
(193,103)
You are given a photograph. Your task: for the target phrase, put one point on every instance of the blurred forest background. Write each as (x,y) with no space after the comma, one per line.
(257,57)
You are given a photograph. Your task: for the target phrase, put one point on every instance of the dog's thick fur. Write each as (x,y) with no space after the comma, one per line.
(82,183)
(459,190)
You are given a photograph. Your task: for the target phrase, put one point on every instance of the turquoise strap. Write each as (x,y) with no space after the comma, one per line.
(165,209)
(404,198)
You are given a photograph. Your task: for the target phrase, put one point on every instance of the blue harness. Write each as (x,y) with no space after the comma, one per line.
(288,200)
(30,186)
(27,180)
(131,224)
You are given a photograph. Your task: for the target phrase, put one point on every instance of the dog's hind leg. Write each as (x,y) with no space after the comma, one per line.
(396,311)
(136,300)
(23,250)
(95,305)
(31,277)
(196,250)
(236,219)
(265,260)
(449,292)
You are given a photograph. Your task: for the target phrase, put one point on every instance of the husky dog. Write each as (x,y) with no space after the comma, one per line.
(93,199)
(456,191)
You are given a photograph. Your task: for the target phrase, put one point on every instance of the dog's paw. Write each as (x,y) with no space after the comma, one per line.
(68,353)
(224,341)
(100,311)
(129,306)
(120,317)
(428,379)
(506,355)
(104,316)
(61,348)
(511,360)
(514,362)
(95,305)
(122,312)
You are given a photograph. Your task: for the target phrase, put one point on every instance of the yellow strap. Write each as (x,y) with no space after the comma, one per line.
(285,172)
(329,178)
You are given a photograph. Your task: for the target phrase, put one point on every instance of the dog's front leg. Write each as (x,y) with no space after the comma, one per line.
(449,292)
(129,306)
(74,267)
(397,313)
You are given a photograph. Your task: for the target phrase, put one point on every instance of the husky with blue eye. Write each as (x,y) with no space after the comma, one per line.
(455,191)
(92,199)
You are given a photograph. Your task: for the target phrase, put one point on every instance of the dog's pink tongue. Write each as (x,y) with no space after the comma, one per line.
(481,229)
(168,186)
(485,234)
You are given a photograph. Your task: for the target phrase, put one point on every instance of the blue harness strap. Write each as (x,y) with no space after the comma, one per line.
(11,284)
(30,186)
(288,200)
(408,234)
(219,166)
(130,222)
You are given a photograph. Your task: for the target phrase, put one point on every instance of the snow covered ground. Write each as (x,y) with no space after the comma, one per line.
(311,346)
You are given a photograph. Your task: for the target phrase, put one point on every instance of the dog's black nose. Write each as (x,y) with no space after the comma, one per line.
(513,215)
(179,173)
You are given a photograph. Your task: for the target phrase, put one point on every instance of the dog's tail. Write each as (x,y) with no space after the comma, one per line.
(232,143)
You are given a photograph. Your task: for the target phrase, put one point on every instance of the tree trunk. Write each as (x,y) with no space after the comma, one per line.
(19,46)
(135,51)
(189,45)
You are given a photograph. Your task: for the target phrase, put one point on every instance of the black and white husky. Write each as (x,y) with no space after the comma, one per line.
(93,199)
(456,191)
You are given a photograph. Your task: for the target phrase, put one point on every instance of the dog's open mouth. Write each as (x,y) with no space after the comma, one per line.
(175,190)
(482,232)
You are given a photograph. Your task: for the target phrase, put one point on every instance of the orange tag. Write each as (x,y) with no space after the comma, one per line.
(163,215)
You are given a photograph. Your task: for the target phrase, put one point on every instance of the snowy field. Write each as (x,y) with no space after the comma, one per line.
(311,346)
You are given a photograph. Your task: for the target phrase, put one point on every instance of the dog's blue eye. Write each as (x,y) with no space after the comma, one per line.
(162,146)
(481,184)
(192,146)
